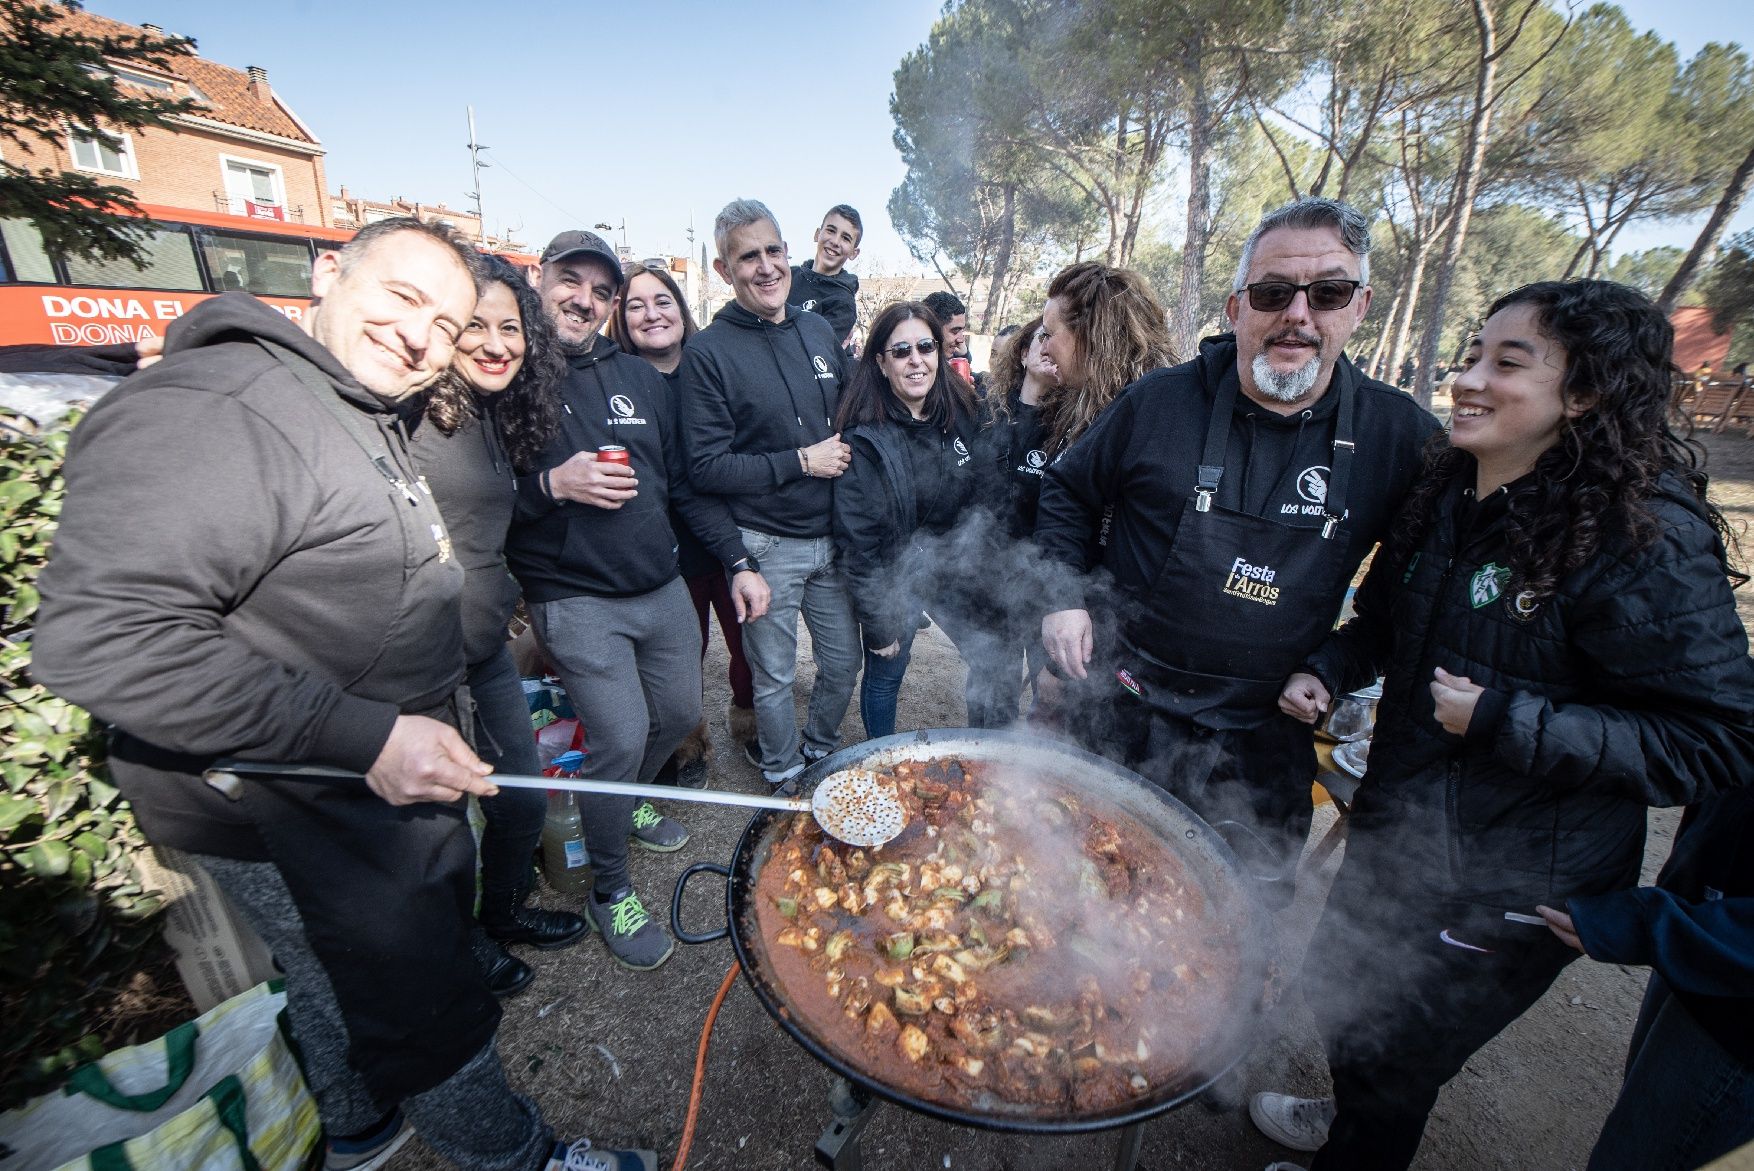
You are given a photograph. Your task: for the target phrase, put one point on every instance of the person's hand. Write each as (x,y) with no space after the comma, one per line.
(1304,697)
(1561,925)
(425,760)
(1456,697)
(1069,639)
(586,479)
(890,651)
(749,594)
(147,351)
(827,459)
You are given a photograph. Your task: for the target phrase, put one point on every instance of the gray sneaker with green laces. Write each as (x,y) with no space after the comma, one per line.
(633,939)
(655,832)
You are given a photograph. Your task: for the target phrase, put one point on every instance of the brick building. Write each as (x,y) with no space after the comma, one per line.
(350,211)
(241,150)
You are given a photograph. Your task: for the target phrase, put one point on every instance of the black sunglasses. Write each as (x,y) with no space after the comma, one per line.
(900,350)
(1324,296)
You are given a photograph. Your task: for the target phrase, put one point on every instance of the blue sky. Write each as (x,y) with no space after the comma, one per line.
(643,112)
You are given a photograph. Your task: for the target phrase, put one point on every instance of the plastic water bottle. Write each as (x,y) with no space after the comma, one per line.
(564,859)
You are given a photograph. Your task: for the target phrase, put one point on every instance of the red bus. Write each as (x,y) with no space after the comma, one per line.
(190,256)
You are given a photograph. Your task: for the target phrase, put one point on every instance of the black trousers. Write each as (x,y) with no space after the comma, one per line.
(386,895)
(1257,776)
(1401,1011)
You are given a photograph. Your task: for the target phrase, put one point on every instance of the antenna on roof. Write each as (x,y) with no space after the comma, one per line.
(475,165)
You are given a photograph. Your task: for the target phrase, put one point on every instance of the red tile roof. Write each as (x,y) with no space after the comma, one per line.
(227,90)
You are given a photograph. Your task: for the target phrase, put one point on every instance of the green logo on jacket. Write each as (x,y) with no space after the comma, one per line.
(1488,582)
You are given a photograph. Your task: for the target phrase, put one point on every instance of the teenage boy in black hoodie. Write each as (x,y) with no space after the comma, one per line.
(593,549)
(823,285)
(1246,487)
(760,387)
(248,565)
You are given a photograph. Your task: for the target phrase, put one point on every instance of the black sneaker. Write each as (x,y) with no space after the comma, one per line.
(752,752)
(370,1150)
(634,941)
(547,930)
(693,775)
(582,1156)
(812,755)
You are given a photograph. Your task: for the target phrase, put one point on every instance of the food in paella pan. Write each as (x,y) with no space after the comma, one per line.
(1017,945)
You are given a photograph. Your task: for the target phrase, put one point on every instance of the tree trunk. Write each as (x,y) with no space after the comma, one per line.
(1403,328)
(1708,235)
(1462,206)
(1185,323)
(1001,256)
(1375,366)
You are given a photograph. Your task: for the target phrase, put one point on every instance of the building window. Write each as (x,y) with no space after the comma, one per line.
(277,267)
(168,262)
(94,154)
(144,81)
(254,189)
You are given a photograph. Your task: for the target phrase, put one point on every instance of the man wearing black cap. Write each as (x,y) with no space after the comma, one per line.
(593,549)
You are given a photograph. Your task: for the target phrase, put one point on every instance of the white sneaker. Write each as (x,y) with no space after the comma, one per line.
(1298,1123)
(580,1156)
(1282,1166)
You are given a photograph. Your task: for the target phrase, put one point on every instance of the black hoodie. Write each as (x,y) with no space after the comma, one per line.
(562,549)
(247,565)
(753,393)
(1142,456)
(834,297)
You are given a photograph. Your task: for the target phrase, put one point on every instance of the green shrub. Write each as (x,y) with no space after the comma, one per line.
(76,926)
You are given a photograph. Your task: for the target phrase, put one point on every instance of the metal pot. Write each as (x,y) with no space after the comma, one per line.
(1205,854)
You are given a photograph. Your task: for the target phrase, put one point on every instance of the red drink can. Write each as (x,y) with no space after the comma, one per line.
(963,367)
(612,454)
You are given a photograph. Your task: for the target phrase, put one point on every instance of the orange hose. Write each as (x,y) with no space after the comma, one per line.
(706,1032)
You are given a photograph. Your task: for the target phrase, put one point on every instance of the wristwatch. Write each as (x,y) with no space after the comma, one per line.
(746,564)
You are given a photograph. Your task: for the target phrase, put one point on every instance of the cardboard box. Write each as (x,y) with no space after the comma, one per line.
(219,955)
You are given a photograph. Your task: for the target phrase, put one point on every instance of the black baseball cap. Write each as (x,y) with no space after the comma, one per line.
(578,242)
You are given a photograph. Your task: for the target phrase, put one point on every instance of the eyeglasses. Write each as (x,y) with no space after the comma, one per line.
(900,350)
(1324,296)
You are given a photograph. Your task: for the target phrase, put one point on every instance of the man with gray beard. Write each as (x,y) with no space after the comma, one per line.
(1246,486)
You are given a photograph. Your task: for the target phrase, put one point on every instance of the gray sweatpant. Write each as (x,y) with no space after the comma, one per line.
(473,1118)
(632,671)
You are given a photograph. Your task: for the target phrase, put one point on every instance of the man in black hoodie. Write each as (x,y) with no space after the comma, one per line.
(824,285)
(593,549)
(249,564)
(759,390)
(1246,486)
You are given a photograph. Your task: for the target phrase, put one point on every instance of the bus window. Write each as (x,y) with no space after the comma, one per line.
(170,264)
(276,267)
(27,261)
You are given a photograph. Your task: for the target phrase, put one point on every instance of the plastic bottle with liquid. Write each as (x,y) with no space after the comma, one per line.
(564,858)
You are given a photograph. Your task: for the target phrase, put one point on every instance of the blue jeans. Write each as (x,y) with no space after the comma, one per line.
(1686,1100)
(804,578)
(880,687)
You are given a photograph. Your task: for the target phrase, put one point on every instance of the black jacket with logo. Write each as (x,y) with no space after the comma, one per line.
(235,575)
(1142,454)
(562,549)
(753,393)
(908,479)
(1026,463)
(834,297)
(1630,687)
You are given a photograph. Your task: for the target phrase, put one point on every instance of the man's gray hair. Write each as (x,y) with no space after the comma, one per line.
(740,213)
(438,233)
(1312,211)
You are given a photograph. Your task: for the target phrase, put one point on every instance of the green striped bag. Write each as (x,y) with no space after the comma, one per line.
(220,1093)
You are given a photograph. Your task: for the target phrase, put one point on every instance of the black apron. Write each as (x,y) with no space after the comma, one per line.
(1241,600)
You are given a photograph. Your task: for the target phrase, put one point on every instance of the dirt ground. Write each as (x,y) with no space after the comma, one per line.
(610,1053)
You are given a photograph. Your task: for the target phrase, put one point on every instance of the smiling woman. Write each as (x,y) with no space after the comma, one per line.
(1561,647)
(652,318)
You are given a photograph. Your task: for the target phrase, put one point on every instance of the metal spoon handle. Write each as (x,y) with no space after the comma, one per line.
(217,776)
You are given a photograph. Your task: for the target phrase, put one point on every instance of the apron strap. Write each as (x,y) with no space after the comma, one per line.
(1212,456)
(1340,471)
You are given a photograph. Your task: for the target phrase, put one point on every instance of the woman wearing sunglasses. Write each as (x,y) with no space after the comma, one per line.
(1553,610)
(920,465)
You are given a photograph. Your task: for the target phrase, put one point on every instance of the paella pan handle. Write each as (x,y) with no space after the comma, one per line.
(676,927)
(1252,851)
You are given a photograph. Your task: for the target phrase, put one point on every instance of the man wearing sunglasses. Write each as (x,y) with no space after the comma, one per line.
(1246,486)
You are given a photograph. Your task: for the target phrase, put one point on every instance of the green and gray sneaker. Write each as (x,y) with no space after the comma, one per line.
(633,939)
(653,831)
